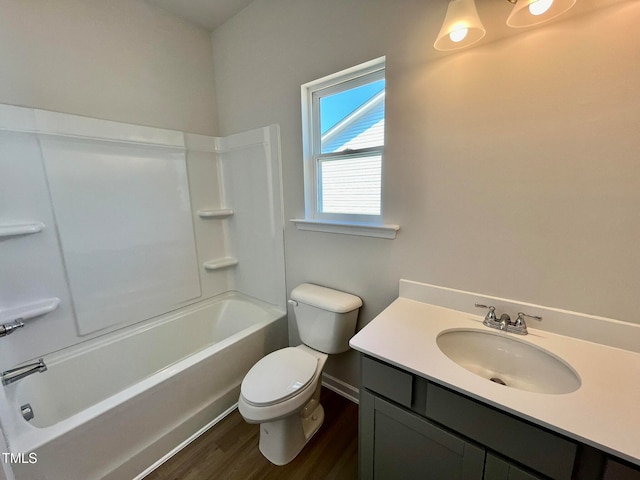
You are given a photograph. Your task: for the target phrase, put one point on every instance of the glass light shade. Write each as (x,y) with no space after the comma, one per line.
(461,15)
(526,12)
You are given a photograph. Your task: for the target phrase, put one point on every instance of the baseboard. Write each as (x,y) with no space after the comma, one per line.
(341,388)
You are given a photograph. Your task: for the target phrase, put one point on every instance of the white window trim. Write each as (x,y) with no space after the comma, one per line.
(363,225)
(347,228)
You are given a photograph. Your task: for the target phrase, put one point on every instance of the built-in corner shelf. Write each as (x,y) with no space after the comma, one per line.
(220,263)
(29,310)
(14,230)
(215,212)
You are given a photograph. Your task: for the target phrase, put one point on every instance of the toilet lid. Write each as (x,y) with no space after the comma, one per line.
(278,376)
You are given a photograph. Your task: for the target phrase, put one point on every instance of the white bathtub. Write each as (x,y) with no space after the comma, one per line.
(113,407)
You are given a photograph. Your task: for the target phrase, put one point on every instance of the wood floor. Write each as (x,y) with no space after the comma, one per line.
(229,450)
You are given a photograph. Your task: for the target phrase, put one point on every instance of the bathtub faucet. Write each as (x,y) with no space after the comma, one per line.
(7,328)
(15,374)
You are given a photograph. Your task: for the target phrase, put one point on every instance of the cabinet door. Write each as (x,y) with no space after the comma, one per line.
(498,469)
(616,471)
(401,445)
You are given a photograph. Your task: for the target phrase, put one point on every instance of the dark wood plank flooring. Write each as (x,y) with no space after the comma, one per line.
(229,450)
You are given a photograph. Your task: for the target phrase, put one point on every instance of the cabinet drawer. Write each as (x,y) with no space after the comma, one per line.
(534,447)
(387,381)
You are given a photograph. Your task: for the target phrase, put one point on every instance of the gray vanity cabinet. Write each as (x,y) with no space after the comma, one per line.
(410,447)
(411,428)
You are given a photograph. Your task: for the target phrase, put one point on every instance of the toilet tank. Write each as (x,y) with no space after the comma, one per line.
(326,318)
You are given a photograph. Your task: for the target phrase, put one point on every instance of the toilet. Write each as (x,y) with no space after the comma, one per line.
(282,391)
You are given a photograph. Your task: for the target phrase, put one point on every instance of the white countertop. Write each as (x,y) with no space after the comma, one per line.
(604,412)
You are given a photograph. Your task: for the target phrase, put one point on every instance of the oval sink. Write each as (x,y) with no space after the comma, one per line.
(508,361)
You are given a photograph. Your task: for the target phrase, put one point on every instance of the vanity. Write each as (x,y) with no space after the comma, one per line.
(445,397)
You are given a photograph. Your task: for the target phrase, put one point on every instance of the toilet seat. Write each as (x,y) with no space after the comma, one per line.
(279,376)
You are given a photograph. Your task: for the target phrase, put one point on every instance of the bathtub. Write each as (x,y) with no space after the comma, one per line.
(115,407)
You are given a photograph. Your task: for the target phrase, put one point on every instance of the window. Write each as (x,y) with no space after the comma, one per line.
(343,141)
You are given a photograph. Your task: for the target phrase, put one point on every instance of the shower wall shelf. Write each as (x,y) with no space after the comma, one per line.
(14,230)
(215,212)
(220,263)
(29,310)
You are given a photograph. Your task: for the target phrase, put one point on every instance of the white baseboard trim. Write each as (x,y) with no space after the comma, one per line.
(341,388)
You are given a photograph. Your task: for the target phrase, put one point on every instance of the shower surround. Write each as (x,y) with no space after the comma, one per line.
(118,243)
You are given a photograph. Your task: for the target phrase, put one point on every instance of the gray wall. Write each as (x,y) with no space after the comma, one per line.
(512,168)
(117,60)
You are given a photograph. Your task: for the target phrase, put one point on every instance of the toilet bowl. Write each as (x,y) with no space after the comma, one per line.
(281,392)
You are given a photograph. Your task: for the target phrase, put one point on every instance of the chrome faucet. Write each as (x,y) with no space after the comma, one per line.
(504,323)
(8,328)
(18,373)
(520,323)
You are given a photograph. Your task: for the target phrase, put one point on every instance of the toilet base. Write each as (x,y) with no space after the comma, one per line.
(281,441)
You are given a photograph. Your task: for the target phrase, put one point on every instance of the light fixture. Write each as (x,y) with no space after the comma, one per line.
(462,26)
(532,12)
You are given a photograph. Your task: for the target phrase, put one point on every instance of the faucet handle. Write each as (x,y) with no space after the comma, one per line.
(520,326)
(521,315)
(491,315)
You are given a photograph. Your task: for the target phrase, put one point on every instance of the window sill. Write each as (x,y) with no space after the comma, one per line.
(360,229)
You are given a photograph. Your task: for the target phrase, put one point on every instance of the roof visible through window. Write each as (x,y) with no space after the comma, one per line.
(337,107)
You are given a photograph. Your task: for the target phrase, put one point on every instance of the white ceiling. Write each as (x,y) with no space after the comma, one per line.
(207,13)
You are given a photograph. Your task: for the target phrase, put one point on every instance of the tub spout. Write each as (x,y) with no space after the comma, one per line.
(15,374)
(8,328)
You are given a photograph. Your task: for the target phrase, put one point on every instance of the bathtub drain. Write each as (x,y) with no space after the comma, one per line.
(27,411)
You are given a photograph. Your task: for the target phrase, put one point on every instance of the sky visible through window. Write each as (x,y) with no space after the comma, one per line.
(335,108)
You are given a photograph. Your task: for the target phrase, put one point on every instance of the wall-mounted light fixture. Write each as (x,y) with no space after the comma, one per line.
(462,26)
(532,12)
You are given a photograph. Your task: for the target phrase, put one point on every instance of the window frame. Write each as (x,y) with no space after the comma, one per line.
(312,93)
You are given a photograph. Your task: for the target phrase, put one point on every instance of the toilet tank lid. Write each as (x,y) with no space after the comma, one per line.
(325,298)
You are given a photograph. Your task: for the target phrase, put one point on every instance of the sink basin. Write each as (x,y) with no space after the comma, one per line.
(508,361)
